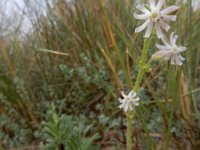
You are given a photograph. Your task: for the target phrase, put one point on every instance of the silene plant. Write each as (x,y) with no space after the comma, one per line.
(156,19)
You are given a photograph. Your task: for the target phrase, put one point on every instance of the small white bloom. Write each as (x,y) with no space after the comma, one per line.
(128,101)
(155,16)
(170,51)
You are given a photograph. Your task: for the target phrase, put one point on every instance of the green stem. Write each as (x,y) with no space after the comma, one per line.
(129,131)
(142,65)
(142,70)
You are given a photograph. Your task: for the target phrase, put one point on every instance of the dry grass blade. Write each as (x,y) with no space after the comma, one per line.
(53,52)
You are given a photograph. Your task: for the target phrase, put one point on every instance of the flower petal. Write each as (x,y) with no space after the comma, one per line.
(143,26)
(169,10)
(123,94)
(140,17)
(149,30)
(132,94)
(126,107)
(152,4)
(120,100)
(177,61)
(165,43)
(169,17)
(142,9)
(182,48)
(162,47)
(157,55)
(173,39)
(160,4)
(137,99)
(181,58)
(158,31)
(164,25)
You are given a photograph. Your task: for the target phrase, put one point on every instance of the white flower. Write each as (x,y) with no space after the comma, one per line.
(129,101)
(170,51)
(155,16)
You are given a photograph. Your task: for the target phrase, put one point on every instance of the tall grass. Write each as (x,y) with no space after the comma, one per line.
(98,36)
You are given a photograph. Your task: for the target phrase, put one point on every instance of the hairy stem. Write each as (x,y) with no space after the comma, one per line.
(142,65)
(129,131)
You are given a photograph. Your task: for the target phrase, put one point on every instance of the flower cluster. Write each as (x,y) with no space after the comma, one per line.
(158,18)
(128,102)
(170,51)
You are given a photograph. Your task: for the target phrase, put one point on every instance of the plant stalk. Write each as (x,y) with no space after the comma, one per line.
(142,65)
(129,131)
